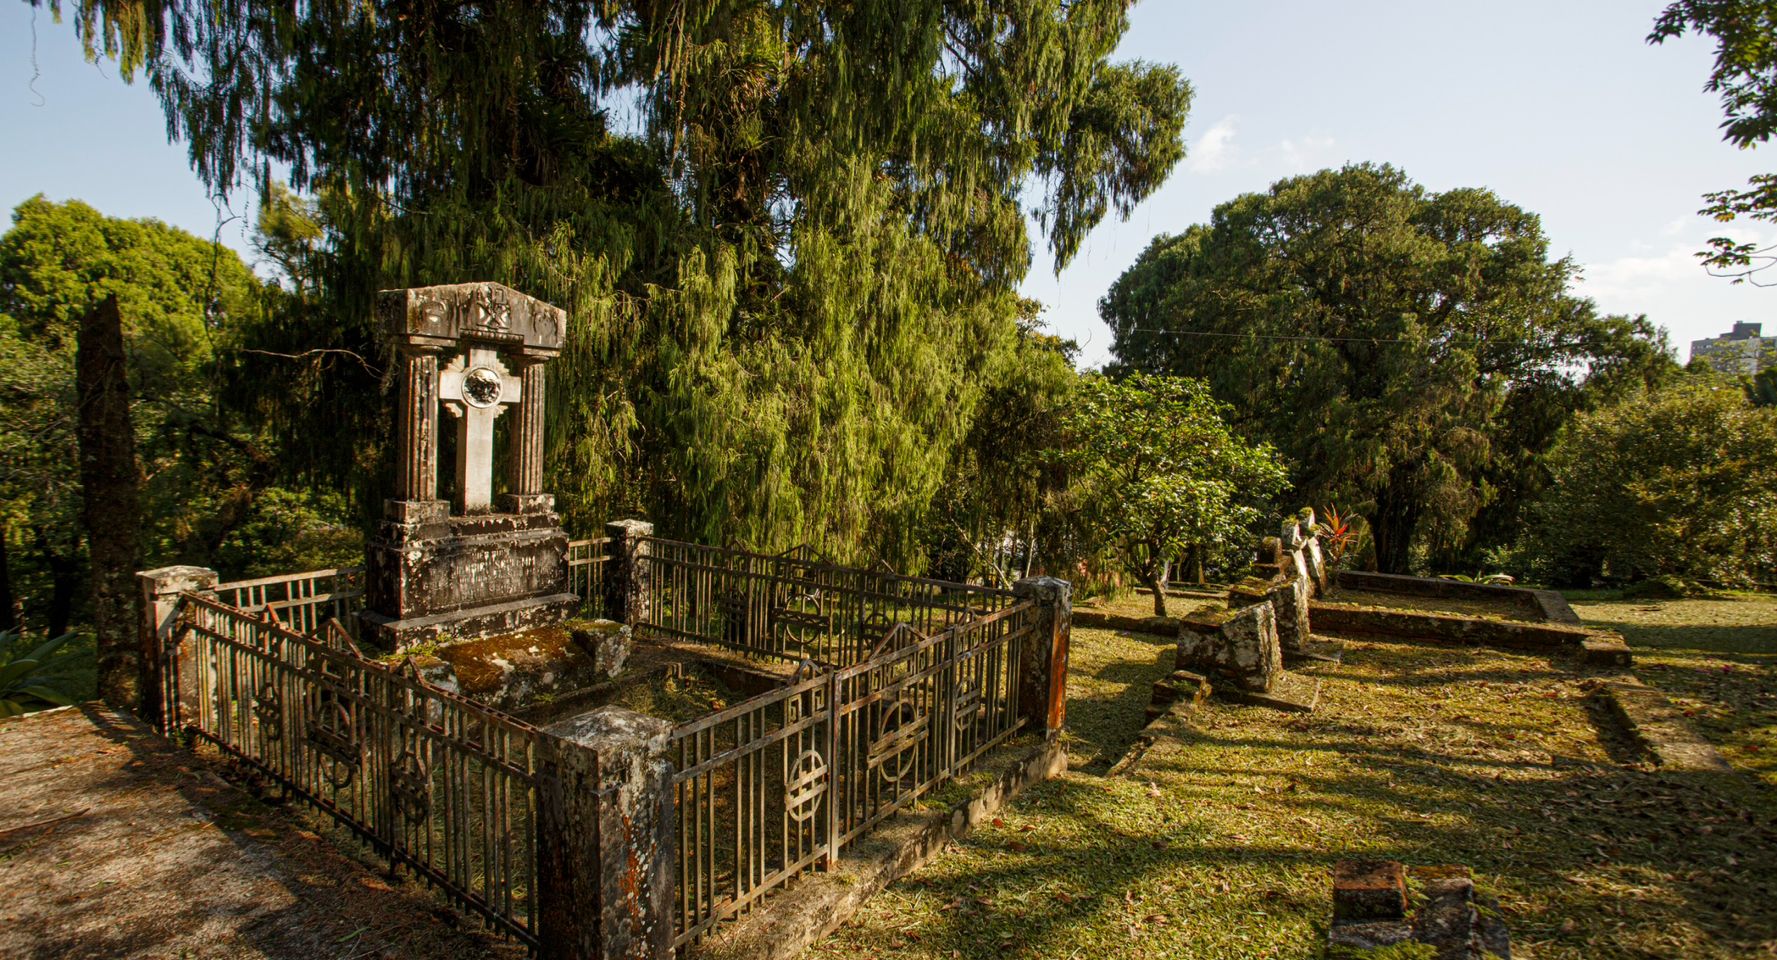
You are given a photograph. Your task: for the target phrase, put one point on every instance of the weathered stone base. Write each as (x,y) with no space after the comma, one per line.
(501,618)
(515,671)
(814,905)
(1372,911)
(422,565)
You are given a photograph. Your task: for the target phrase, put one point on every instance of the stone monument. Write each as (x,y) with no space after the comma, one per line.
(474,566)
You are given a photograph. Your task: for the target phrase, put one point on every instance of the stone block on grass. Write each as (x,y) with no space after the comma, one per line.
(1236,646)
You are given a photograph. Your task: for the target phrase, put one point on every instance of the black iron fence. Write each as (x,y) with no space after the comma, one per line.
(794,605)
(780,784)
(430,780)
(304,602)
(902,684)
(587,562)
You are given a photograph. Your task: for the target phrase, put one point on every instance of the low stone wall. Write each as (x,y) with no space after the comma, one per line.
(1446,628)
(1159,626)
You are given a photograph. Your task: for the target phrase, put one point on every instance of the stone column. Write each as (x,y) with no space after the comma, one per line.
(157,612)
(605,839)
(1042,668)
(416,425)
(525,470)
(626,573)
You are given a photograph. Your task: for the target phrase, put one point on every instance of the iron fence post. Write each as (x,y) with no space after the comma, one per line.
(1042,668)
(157,618)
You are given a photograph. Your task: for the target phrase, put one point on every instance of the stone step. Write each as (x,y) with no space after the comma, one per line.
(1606,650)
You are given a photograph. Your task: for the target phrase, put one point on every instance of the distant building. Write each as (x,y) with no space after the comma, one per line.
(1741,350)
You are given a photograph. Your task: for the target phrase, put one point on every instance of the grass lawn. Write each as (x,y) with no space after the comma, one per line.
(1134,604)
(1220,842)
(1717,659)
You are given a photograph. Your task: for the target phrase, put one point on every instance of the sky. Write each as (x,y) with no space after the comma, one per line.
(1560,108)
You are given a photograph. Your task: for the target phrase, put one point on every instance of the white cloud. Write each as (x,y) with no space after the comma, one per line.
(1672,288)
(1626,280)
(1216,149)
(1308,154)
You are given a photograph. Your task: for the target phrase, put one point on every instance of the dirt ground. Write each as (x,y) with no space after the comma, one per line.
(116,844)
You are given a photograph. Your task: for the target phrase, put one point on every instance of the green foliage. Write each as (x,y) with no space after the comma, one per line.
(790,277)
(181,299)
(1410,353)
(1158,474)
(284,531)
(1678,484)
(1745,75)
(25,669)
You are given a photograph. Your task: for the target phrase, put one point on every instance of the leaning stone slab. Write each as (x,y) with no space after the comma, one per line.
(1237,646)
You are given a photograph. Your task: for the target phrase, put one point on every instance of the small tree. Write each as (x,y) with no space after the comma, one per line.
(1158,473)
(1680,484)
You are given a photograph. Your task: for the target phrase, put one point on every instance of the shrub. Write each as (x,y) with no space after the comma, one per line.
(1679,484)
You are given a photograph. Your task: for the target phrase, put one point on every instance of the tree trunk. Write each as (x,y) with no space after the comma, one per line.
(64,582)
(109,506)
(1391,530)
(1155,575)
(9,617)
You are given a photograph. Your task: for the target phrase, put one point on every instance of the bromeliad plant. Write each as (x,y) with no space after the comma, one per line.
(1339,535)
(23,686)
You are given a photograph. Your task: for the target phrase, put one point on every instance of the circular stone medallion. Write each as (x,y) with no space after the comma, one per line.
(481,387)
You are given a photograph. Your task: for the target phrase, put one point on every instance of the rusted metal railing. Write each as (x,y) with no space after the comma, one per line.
(304,602)
(428,779)
(587,561)
(794,605)
(779,784)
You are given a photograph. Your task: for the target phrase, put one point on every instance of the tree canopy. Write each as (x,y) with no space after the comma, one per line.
(1745,75)
(788,234)
(1677,484)
(187,305)
(1158,474)
(1408,352)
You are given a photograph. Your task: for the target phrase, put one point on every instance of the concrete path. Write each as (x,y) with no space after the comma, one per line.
(114,843)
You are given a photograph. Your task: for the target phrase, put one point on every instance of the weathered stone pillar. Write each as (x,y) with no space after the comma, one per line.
(605,839)
(524,471)
(626,573)
(416,425)
(157,611)
(1042,669)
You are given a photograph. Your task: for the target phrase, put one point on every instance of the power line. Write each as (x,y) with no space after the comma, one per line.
(1303,337)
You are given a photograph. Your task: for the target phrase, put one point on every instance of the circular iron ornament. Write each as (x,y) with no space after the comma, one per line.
(897,733)
(805,785)
(270,711)
(333,737)
(481,387)
(410,784)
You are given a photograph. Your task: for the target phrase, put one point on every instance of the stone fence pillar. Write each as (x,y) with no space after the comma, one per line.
(605,839)
(626,573)
(156,612)
(1042,670)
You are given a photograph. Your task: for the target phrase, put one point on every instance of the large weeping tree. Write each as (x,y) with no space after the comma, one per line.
(788,233)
